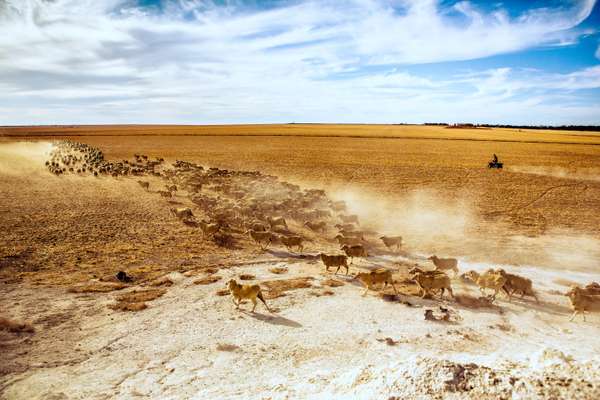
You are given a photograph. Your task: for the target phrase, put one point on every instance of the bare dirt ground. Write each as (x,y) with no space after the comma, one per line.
(65,237)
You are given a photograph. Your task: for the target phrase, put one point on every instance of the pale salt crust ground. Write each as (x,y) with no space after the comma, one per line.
(312,347)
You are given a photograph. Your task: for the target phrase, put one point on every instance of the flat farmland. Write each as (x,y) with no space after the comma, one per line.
(429,183)
(65,237)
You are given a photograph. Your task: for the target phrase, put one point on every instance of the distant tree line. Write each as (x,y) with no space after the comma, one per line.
(590,128)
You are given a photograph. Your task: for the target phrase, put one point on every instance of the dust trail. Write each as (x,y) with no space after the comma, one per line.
(580,174)
(431,223)
(24,158)
(427,220)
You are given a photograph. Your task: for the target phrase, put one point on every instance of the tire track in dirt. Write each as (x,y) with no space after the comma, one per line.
(535,200)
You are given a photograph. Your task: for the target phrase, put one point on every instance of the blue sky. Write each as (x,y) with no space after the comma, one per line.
(368,61)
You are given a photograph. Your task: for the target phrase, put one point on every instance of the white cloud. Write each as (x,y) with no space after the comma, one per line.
(72,61)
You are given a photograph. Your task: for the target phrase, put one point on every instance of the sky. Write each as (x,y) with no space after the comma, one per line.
(358,61)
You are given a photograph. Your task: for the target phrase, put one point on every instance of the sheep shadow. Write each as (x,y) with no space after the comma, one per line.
(273,319)
(287,254)
(542,306)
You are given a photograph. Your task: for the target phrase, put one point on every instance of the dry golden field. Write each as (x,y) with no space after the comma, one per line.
(430,183)
(64,237)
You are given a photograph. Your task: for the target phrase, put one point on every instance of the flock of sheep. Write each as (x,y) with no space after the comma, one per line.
(75,157)
(239,203)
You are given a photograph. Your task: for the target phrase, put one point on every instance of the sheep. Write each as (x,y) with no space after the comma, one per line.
(263,239)
(349,241)
(209,229)
(349,218)
(334,261)
(431,280)
(322,214)
(293,241)
(191,222)
(581,301)
(515,283)
(489,280)
(144,184)
(444,264)
(592,288)
(316,226)
(182,212)
(279,221)
(258,227)
(354,251)
(391,241)
(352,233)
(381,275)
(241,292)
(347,227)
(338,205)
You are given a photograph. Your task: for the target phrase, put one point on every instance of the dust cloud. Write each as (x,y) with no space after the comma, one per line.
(423,217)
(431,223)
(580,174)
(24,158)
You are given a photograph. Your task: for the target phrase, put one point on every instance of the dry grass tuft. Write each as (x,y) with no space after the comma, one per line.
(278,288)
(210,270)
(247,277)
(97,287)
(207,280)
(227,347)
(122,306)
(332,283)
(136,300)
(222,292)
(138,296)
(164,281)
(15,327)
(278,270)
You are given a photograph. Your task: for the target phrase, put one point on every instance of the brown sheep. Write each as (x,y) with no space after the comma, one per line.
(352,233)
(381,275)
(391,241)
(316,226)
(338,205)
(350,241)
(258,227)
(334,261)
(144,184)
(209,229)
(182,212)
(263,239)
(292,241)
(355,251)
(431,280)
(488,280)
(515,283)
(279,221)
(592,288)
(445,264)
(582,302)
(241,292)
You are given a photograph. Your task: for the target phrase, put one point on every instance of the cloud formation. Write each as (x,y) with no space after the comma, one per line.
(192,61)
